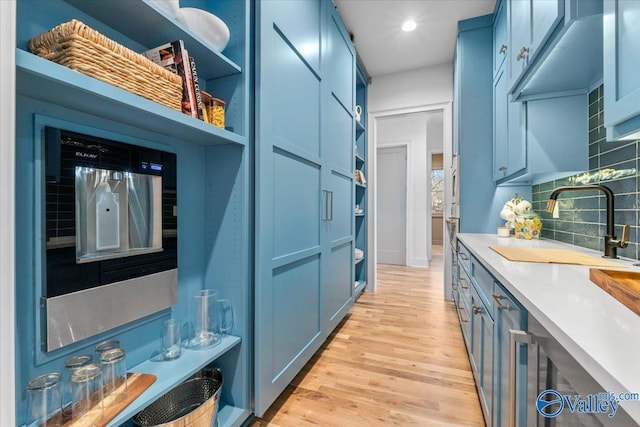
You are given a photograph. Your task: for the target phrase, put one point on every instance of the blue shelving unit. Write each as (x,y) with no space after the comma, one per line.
(214,176)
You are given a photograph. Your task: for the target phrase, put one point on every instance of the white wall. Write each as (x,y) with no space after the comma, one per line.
(7,171)
(424,86)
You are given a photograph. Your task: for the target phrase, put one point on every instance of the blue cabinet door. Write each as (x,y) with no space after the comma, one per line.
(530,24)
(508,315)
(500,126)
(500,45)
(289,194)
(621,62)
(481,355)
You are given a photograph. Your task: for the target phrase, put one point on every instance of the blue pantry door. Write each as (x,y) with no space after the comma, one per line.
(290,201)
(338,150)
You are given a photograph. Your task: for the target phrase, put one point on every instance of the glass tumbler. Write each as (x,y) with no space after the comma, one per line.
(114,376)
(86,389)
(171,339)
(104,346)
(44,401)
(70,365)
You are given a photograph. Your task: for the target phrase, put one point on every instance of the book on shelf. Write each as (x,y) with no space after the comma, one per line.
(196,88)
(174,57)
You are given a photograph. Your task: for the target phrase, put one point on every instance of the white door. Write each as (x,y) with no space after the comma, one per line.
(392,205)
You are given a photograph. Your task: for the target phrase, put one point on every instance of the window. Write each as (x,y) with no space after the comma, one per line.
(437,191)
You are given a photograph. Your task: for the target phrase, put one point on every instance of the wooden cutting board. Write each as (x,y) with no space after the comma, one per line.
(622,285)
(554,256)
(136,384)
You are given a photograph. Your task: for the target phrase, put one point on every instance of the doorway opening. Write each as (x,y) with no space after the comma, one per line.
(423,132)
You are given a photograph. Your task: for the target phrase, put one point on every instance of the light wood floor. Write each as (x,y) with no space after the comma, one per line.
(397,359)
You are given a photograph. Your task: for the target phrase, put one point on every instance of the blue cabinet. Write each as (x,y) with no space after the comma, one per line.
(472,119)
(304,187)
(481,354)
(554,46)
(487,312)
(509,143)
(531,22)
(475,312)
(508,315)
(500,46)
(621,61)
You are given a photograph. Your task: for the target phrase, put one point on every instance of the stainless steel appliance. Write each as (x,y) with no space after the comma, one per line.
(452,223)
(111,234)
(549,388)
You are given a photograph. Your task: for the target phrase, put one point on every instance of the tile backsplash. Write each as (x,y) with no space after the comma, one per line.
(582,216)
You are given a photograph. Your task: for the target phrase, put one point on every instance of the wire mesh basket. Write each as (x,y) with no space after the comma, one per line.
(194,403)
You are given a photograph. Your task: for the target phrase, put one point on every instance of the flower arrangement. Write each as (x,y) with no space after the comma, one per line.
(521,218)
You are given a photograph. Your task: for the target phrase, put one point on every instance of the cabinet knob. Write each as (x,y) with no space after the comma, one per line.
(503,48)
(503,168)
(476,309)
(523,53)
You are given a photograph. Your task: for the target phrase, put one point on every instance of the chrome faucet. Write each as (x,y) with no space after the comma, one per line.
(611,243)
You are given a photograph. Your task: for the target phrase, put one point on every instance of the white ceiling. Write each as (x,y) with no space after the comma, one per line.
(385,48)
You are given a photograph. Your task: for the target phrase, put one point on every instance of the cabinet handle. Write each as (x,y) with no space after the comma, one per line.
(503,48)
(515,337)
(461,319)
(463,280)
(325,211)
(331,205)
(501,306)
(476,309)
(502,168)
(464,256)
(523,53)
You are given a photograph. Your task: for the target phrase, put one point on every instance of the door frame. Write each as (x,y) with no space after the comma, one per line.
(7,212)
(372,140)
(407,149)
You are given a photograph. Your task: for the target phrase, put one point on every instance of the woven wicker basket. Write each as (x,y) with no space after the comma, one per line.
(81,48)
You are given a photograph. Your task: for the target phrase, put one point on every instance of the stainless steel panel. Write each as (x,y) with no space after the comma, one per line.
(118,214)
(79,315)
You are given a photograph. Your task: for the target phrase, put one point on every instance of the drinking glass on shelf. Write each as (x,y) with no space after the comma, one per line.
(114,376)
(86,389)
(44,401)
(171,339)
(104,346)
(70,365)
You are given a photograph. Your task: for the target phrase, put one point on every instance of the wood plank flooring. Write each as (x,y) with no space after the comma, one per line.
(398,359)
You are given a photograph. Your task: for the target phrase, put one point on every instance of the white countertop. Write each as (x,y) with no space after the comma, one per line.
(598,331)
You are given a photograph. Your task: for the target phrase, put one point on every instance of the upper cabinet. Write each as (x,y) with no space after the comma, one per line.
(621,61)
(500,45)
(554,46)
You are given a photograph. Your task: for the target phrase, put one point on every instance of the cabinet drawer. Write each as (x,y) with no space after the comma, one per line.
(464,257)
(503,301)
(464,314)
(483,282)
(464,286)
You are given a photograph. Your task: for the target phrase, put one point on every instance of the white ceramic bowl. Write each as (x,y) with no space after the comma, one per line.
(211,29)
(169,6)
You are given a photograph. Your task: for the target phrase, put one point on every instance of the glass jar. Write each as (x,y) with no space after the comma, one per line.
(528,226)
(217,112)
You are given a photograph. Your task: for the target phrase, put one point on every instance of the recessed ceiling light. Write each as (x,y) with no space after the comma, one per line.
(409,25)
